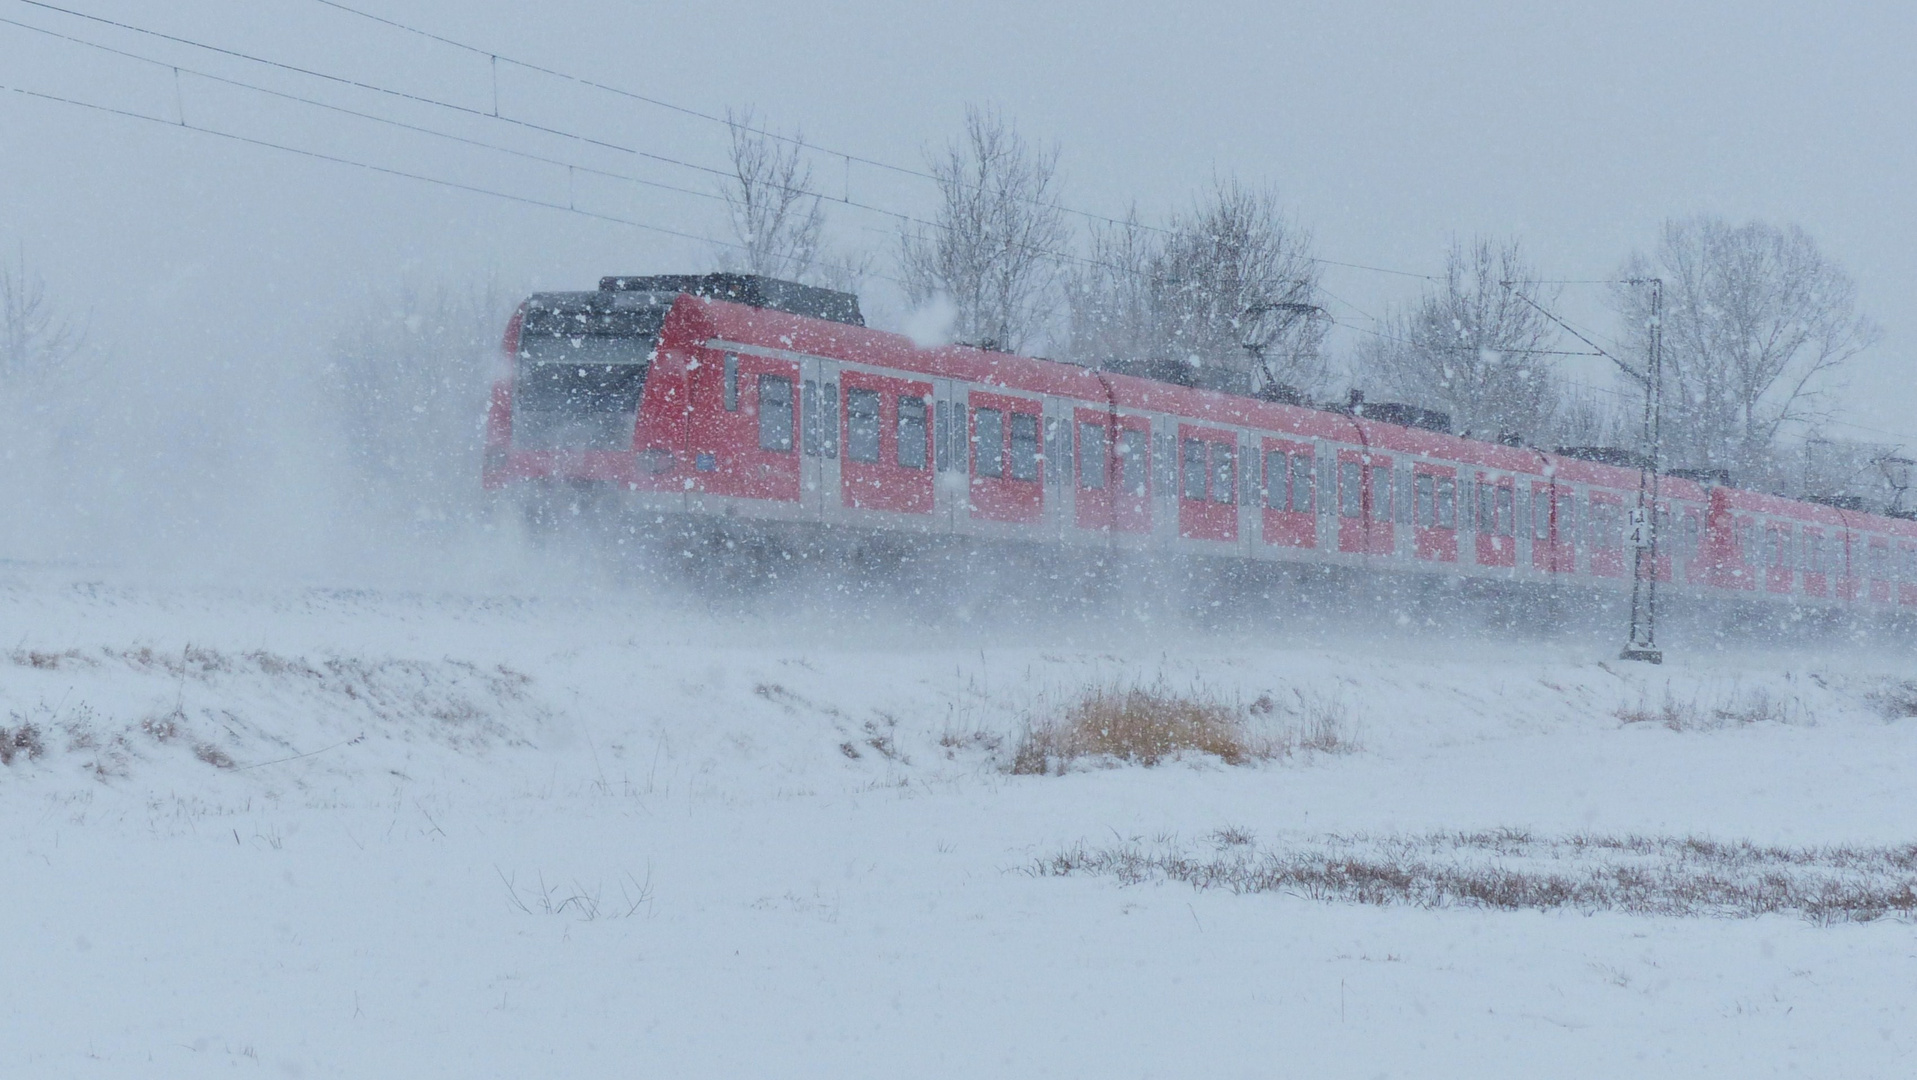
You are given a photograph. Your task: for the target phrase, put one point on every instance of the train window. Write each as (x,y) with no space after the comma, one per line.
(1879,561)
(1540,516)
(988,442)
(775,413)
(1487,523)
(1133,449)
(1092,456)
(1222,479)
(830,420)
(809,430)
(1194,469)
(1351,491)
(1507,517)
(1445,503)
(1381,493)
(1302,483)
(1781,550)
(1024,446)
(1277,467)
(941,436)
(1424,501)
(732,382)
(911,442)
(862,424)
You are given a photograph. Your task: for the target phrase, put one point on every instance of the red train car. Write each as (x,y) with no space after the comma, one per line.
(744,398)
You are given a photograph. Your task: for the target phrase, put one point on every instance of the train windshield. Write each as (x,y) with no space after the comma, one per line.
(581,369)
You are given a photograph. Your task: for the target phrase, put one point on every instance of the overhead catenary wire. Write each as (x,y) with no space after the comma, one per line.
(495,114)
(179,69)
(495,56)
(182,123)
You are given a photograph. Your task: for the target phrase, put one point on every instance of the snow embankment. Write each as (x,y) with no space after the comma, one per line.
(361,834)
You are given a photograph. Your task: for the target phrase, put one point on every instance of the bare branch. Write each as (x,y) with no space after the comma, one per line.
(993,248)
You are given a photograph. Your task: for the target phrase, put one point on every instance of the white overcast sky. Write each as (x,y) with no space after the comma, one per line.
(1386,127)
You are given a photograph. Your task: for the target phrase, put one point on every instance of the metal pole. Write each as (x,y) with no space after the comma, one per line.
(1642,644)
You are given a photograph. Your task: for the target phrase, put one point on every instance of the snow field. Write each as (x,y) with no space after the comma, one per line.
(643,848)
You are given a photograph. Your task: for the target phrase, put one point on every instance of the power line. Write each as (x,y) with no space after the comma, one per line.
(495,114)
(495,56)
(317,155)
(482,144)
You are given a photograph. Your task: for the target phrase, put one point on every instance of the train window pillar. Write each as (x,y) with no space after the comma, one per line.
(1302,483)
(1195,467)
(811,431)
(1133,451)
(941,436)
(829,420)
(910,450)
(1092,461)
(1054,463)
(1248,478)
(1024,446)
(988,442)
(775,413)
(1165,463)
(862,425)
(732,382)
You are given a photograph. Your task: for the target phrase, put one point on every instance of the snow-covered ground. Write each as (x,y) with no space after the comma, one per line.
(347,833)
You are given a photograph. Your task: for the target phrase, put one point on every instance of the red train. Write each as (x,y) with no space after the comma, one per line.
(745,398)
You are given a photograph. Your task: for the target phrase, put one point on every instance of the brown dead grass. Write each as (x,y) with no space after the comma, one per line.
(1511,870)
(1142,725)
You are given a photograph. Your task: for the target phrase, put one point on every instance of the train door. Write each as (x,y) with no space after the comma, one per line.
(1092,468)
(1060,497)
(819,437)
(1164,479)
(1434,513)
(948,455)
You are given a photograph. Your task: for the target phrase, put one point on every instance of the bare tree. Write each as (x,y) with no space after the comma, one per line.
(1109,310)
(1235,287)
(776,215)
(34,338)
(1757,321)
(1471,347)
(993,248)
(1228,288)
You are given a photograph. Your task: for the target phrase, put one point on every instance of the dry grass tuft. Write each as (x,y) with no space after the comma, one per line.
(1702,712)
(1325,725)
(1897,700)
(1510,870)
(1142,725)
(23,739)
